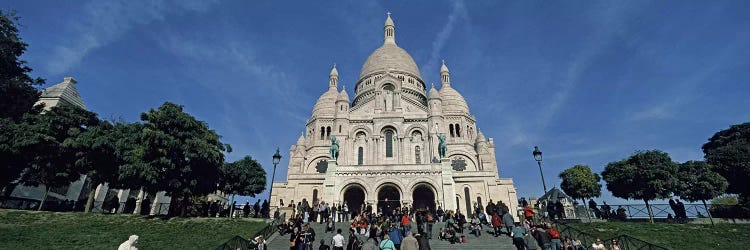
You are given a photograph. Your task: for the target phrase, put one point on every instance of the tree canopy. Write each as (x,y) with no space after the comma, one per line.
(17,91)
(180,154)
(242,177)
(645,175)
(580,183)
(698,183)
(728,151)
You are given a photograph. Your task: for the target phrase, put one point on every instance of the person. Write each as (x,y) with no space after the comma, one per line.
(406,223)
(518,236)
(308,237)
(246,209)
(497,222)
(323,245)
(594,208)
(338,240)
(293,239)
(606,210)
(430,224)
(528,212)
(330,226)
(560,210)
(620,212)
(260,243)
(409,242)
(334,213)
(523,202)
(440,214)
(476,225)
(424,243)
(556,243)
(541,236)
(387,244)
(615,246)
(395,236)
(598,245)
(354,243)
(508,222)
(681,208)
(551,212)
(129,244)
(346,212)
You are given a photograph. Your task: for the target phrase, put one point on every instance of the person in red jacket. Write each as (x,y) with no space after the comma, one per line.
(405,223)
(528,212)
(497,223)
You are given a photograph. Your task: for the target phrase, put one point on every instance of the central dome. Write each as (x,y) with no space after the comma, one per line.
(390,57)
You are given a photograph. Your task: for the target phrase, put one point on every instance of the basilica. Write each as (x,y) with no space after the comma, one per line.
(388,143)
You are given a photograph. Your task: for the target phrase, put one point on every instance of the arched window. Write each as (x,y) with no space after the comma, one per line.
(339,128)
(418,155)
(450,127)
(458,130)
(388,97)
(315,196)
(328,132)
(388,143)
(360,155)
(322,133)
(468,200)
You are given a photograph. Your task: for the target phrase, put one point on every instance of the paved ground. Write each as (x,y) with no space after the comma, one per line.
(486,241)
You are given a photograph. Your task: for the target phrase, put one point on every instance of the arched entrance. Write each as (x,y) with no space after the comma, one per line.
(389,198)
(354,197)
(423,197)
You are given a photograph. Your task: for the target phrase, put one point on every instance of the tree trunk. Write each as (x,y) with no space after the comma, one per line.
(588,212)
(90,200)
(648,208)
(44,198)
(711,218)
(231,203)
(185,202)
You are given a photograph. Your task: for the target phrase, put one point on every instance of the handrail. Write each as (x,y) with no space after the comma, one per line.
(237,242)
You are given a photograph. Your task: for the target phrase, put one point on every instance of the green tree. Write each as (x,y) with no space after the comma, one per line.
(728,152)
(645,175)
(101,151)
(243,177)
(17,91)
(180,155)
(697,182)
(13,137)
(580,183)
(52,163)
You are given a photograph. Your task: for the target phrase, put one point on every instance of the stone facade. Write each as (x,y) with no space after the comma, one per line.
(388,143)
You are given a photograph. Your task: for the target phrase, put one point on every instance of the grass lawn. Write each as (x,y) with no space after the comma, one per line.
(45,230)
(675,236)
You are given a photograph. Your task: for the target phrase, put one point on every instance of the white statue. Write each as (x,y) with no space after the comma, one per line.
(129,244)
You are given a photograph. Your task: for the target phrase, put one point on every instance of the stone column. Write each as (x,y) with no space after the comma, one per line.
(329,184)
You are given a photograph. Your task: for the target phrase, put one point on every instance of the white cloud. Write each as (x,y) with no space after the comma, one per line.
(103,22)
(458,11)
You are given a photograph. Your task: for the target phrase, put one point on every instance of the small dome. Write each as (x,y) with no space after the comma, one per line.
(389,56)
(343,96)
(326,104)
(434,94)
(334,72)
(452,100)
(389,21)
(444,69)
(480,136)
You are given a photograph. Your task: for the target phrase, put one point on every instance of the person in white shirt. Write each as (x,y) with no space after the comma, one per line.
(338,240)
(598,245)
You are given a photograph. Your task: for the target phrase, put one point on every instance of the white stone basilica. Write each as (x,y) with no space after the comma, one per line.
(389,146)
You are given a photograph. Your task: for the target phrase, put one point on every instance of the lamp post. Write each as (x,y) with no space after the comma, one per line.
(276,159)
(538,157)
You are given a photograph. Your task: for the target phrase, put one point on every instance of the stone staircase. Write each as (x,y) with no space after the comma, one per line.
(486,241)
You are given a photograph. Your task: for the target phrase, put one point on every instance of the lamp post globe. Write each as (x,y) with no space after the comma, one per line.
(276,159)
(538,157)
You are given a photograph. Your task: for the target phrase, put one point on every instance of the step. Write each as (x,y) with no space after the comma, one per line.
(485,241)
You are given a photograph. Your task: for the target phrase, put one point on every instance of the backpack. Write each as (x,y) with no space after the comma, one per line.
(554,233)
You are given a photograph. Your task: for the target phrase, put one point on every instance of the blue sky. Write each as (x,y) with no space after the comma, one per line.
(588,81)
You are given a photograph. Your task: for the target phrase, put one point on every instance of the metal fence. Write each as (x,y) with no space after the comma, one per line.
(239,243)
(624,241)
(640,211)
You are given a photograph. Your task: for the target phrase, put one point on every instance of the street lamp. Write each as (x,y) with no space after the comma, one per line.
(276,159)
(538,157)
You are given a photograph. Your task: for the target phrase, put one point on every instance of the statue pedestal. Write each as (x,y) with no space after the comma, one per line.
(329,185)
(449,186)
